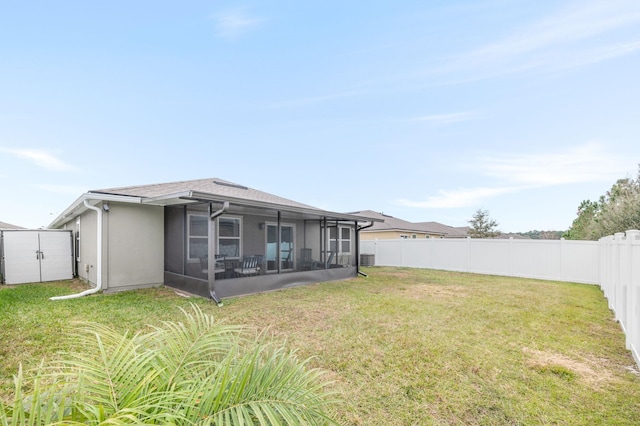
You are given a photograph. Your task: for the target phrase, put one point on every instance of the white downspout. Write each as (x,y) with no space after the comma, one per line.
(98,286)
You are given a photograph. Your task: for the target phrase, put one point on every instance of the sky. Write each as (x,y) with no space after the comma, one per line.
(423,110)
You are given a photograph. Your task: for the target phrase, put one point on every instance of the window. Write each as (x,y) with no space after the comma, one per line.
(229,237)
(340,238)
(413,236)
(345,237)
(333,239)
(198,236)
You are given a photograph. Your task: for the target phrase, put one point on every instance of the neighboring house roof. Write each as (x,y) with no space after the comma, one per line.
(202,190)
(391,223)
(446,230)
(5,225)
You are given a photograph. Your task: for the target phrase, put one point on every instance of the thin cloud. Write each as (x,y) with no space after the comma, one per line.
(316,99)
(461,197)
(234,24)
(450,118)
(590,162)
(40,158)
(558,41)
(602,53)
(520,172)
(582,21)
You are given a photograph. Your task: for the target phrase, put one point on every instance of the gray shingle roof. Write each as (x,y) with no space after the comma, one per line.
(448,231)
(201,190)
(393,223)
(213,186)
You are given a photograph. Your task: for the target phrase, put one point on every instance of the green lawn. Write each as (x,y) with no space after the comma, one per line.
(402,347)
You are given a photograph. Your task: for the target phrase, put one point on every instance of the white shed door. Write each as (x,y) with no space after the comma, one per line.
(34,256)
(55,256)
(21,260)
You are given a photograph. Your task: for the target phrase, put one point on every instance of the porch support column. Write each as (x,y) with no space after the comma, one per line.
(211,249)
(357,236)
(278,238)
(358,229)
(323,240)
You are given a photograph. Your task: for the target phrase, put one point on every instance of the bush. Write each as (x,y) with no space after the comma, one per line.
(195,372)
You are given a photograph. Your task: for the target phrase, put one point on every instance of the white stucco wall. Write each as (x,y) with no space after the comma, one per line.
(133,246)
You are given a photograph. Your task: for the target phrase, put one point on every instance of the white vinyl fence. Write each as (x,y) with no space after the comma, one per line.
(613,263)
(620,282)
(560,260)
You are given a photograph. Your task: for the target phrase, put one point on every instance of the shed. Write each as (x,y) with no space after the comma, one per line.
(28,256)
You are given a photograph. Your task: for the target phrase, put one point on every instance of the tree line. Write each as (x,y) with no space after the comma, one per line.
(481,225)
(616,211)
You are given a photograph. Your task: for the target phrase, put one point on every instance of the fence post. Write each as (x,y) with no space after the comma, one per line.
(375,250)
(617,281)
(563,261)
(510,258)
(608,243)
(467,261)
(631,300)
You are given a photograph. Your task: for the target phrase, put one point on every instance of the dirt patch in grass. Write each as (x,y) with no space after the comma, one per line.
(592,372)
(428,291)
(396,274)
(431,291)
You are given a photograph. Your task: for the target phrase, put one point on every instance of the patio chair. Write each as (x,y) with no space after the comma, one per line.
(260,266)
(219,264)
(306,262)
(326,264)
(248,267)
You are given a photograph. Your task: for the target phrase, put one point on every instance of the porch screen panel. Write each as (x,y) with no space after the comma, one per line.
(345,234)
(229,237)
(174,240)
(198,236)
(333,239)
(286,247)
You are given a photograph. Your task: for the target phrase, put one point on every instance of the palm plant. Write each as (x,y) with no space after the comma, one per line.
(195,372)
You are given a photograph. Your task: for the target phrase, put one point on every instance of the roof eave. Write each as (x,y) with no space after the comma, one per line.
(190,196)
(78,207)
(204,196)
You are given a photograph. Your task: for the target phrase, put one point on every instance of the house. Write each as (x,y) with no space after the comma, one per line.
(4,225)
(448,231)
(390,227)
(209,237)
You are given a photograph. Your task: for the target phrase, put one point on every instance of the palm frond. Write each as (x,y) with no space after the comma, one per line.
(188,349)
(195,372)
(264,384)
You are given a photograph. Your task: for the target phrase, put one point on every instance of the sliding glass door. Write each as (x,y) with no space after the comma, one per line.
(287,236)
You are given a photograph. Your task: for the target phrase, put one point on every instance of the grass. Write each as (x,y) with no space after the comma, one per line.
(402,347)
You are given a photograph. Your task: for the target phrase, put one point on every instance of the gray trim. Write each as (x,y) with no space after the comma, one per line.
(1,257)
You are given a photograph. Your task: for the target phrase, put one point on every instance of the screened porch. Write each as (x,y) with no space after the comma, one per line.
(245,249)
